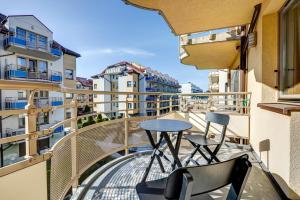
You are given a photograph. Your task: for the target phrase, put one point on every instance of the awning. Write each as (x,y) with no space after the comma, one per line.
(191,16)
(212,55)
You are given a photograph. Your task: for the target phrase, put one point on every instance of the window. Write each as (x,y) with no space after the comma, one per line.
(68,114)
(43,67)
(95,95)
(31,39)
(69,95)
(69,74)
(43,118)
(21,62)
(95,86)
(21,121)
(134,84)
(290,51)
(129,106)
(129,84)
(21,34)
(21,95)
(42,42)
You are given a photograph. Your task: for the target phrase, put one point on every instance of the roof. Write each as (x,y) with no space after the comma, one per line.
(31,16)
(85,82)
(3,29)
(131,68)
(65,50)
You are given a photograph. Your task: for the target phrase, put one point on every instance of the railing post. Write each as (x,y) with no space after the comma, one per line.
(30,127)
(170,104)
(126,127)
(158,106)
(74,128)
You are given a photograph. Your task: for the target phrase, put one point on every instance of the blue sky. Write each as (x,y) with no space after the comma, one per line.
(108,31)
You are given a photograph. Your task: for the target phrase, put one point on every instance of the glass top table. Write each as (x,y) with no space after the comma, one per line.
(163,126)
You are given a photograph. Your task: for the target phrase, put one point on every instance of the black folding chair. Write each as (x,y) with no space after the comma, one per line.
(196,182)
(201,142)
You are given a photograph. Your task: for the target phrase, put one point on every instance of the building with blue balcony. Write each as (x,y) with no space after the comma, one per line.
(131,77)
(30,53)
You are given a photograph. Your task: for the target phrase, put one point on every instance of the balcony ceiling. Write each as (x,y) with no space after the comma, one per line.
(191,16)
(212,55)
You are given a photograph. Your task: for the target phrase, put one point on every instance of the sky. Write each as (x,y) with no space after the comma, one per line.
(105,32)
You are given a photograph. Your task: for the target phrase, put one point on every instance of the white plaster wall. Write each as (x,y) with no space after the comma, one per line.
(142,98)
(102,85)
(238,124)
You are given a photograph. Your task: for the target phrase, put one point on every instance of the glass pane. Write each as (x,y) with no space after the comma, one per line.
(21,62)
(21,33)
(43,66)
(290,72)
(42,42)
(31,39)
(32,66)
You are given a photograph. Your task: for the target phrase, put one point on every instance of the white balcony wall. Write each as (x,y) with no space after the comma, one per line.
(142,98)
(103,84)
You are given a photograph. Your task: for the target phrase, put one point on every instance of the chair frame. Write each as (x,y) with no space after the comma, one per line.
(184,183)
(216,118)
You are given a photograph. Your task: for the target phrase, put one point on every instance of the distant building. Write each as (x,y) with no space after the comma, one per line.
(84,84)
(188,88)
(132,77)
(30,53)
(226,81)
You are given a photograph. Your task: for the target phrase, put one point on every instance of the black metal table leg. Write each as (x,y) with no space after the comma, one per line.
(177,146)
(154,155)
(172,149)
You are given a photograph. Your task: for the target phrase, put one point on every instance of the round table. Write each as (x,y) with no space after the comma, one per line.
(164,126)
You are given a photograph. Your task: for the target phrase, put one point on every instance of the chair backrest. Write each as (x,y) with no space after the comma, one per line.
(217,118)
(208,178)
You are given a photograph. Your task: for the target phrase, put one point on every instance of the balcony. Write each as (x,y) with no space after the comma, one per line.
(78,152)
(57,101)
(218,49)
(13,103)
(22,46)
(22,73)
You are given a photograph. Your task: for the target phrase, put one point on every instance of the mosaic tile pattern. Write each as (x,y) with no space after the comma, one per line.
(119,183)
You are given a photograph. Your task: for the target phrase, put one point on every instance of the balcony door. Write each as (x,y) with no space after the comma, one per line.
(43,69)
(31,40)
(32,69)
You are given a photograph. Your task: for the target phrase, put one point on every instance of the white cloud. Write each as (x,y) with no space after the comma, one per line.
(117,51)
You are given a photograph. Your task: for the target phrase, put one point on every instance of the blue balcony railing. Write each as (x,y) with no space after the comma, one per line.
(57,101)
(56,52)
(11,40)
(12,103)
(58,129)
(15,41)
(17,73)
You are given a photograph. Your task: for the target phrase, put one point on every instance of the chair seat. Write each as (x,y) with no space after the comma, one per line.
(201,140)
(154,190)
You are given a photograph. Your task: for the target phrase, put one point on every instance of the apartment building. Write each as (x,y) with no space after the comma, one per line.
(188,88)
(132,77)
(29,53)
(84,84)
(226,81)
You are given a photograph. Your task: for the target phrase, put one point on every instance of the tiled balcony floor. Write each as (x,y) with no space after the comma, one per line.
(119,182)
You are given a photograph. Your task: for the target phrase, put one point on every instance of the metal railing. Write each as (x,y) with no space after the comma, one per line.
(46,47)
(91,137)
(21,72)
